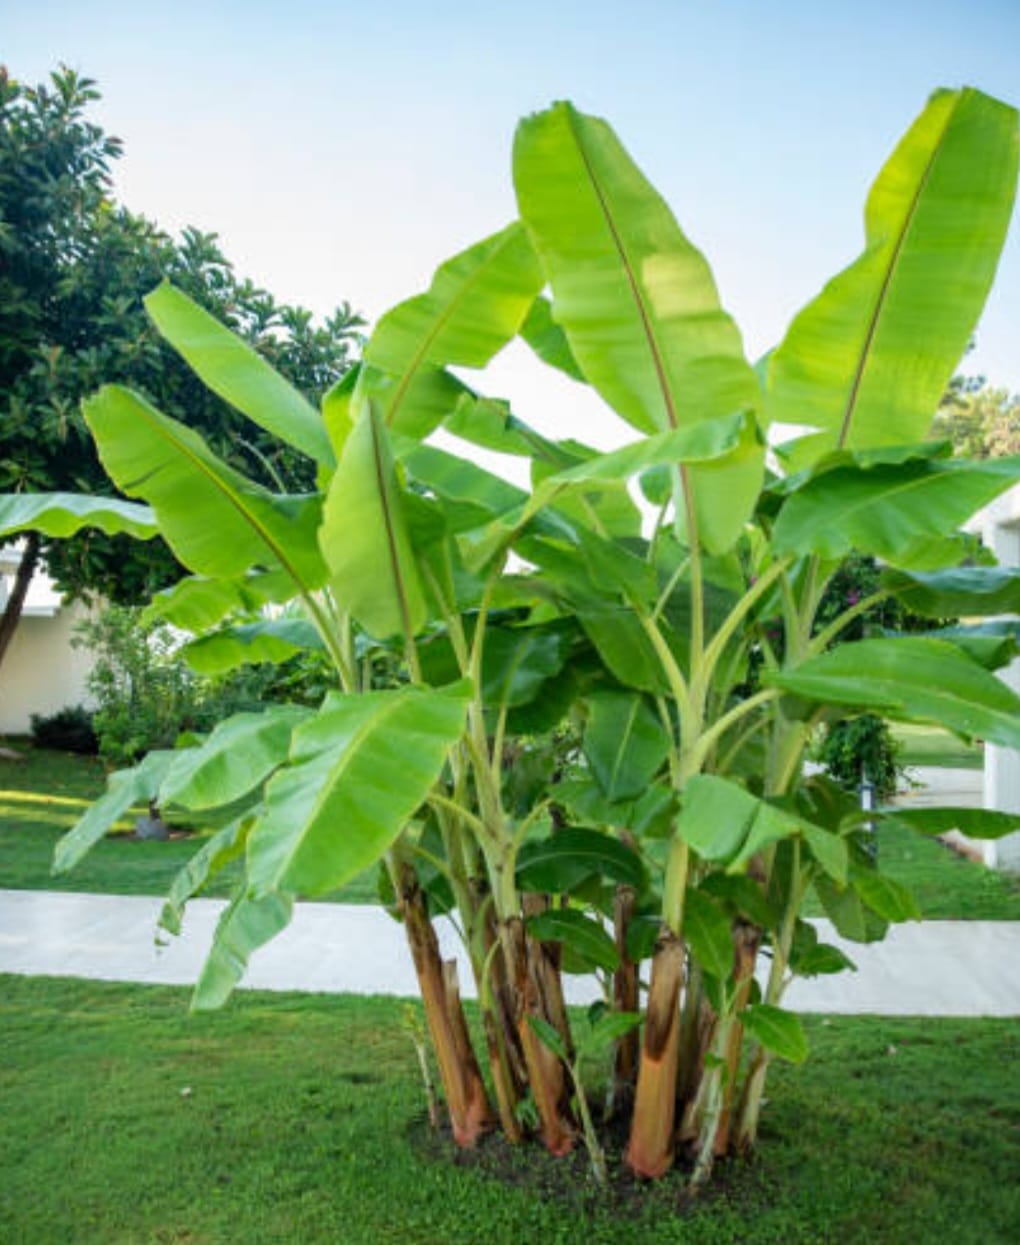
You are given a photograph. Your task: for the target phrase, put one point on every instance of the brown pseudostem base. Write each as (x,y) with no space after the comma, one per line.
(467,1101)
(546,1074)
(625,999)
(650,1149)
(746,939)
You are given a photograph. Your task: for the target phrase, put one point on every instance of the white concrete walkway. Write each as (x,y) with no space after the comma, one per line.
(940,968)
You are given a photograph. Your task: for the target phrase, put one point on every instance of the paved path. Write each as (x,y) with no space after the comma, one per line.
(940,968)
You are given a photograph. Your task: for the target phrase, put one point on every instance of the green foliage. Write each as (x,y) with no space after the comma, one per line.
(144,692)
(980,420)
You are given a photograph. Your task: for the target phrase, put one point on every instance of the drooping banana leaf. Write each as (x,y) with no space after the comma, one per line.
(548,340)
(699,444)
(964,591)
(991,644)
(64,514)
(267,640)
(218,523)
(868,360)
(975,823)
(247,923)
(195,602)
(358,770)
(913,679)
(238,755)
(585,941)
(898,512)
(234,371)
(218,851)
(490,424)
(564,859)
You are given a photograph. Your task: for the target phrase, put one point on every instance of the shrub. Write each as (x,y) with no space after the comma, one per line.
(68,730)
(862,749)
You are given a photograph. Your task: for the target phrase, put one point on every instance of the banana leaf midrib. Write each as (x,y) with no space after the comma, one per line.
(887,280)
(647,323)
(180,446)
(443,318)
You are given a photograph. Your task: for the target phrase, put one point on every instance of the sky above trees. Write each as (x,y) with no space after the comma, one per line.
(342,150)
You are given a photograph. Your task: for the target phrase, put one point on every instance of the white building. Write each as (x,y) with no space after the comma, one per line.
(999,528)
(41,672)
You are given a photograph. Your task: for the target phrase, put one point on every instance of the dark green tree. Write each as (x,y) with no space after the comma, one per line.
(74,266)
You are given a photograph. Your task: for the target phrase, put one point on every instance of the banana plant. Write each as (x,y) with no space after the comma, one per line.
(572,722)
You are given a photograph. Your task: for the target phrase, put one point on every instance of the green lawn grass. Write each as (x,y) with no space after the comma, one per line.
(292,1118)
(42,796)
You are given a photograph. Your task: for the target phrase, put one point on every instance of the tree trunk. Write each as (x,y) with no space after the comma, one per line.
(650,1149)
(16,601)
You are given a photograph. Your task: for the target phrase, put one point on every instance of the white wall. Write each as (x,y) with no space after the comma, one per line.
(999,527)
(41,672)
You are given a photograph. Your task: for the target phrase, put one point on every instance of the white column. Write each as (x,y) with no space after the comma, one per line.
(1002,765)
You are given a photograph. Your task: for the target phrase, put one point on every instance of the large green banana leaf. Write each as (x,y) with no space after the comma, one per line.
(64,514)
(219,850)
(475,305)
(266,640)
(563,860)
(963,591)
(364,537)
(899,512)
(232,369)
(725,823)
(636,300)
(358,771)
(239,754)
(868,360)
(625,743)
(195,602)
(975,823)
(913,679)
(217,523)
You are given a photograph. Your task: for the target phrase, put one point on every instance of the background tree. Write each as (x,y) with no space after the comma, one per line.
(74,266)
(982,421)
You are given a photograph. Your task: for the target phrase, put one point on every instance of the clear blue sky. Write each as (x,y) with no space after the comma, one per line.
(341,150)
